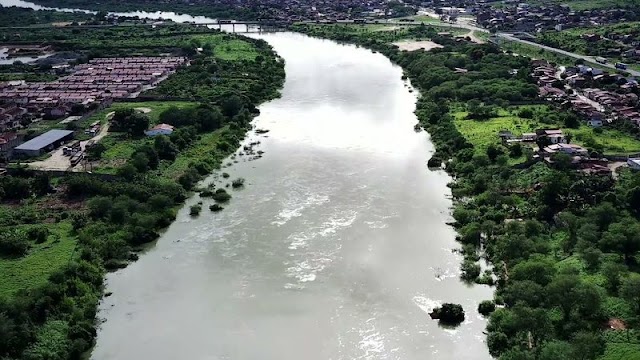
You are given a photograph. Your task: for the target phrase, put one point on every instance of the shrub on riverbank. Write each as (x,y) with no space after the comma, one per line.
(435,162)
(486,307)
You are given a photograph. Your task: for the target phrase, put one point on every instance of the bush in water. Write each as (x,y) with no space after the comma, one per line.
(221,195)
(195,210)
(449,314)
(486,307)
(216,208)
(239,182)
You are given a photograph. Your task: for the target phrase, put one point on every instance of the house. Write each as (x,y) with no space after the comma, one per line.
(506,135)
(160,129)
(8,141)
(529,137)
(555,136)
(569,149)
(634,164)
(595,120)
(55,112)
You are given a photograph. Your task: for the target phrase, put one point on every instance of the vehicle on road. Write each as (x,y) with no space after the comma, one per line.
(601,60)
(621,66)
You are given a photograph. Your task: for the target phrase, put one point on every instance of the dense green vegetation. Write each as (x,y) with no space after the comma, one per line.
(15,16)
(563,245)
(59,235)
(214,10)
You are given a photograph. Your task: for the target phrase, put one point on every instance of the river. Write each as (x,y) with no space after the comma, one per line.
(337,248)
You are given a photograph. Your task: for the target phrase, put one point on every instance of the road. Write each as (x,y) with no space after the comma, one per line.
(592,59)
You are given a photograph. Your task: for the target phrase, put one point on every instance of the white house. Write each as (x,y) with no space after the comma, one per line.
(160,129)
(594,122)
(634,164)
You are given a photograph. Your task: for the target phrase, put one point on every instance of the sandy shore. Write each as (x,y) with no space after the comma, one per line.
(417,45)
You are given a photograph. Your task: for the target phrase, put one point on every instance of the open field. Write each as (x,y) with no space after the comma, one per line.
(42,260)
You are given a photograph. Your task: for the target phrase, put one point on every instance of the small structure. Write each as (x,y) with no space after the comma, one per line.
(634,164)
(160,129)
(506,135)
(555,135)
(570,149)
(43,143)
(595,122)
(529,137)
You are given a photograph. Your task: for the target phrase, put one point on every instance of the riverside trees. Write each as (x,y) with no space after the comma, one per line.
(563,245)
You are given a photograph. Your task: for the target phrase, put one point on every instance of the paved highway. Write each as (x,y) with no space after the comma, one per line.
(592,59)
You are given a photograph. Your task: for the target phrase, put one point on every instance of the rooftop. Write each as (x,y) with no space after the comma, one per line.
(44,140)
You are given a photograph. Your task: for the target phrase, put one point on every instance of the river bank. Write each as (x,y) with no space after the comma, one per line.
(60,234)
(535,225)
(337,247)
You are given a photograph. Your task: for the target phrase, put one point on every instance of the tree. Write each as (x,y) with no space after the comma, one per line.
(515,150)
(622,237)
(561,292)
(95,151)
(99,206)
(591,257)
(588,346)
(517,354)
(165,148)
(527,292)
(127,171)
(569,222)
(538,271)
(556,350)
(612,273)
(140,161)
(231,105)
(137,124)
(630,291)
(493,152)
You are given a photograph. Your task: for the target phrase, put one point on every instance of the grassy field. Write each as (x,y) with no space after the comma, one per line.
(228,49)
(483,133)
(42,260)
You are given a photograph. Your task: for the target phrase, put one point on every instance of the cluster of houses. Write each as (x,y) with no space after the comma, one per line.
(98,80)
(526,17)
(92,85)
(582,89)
